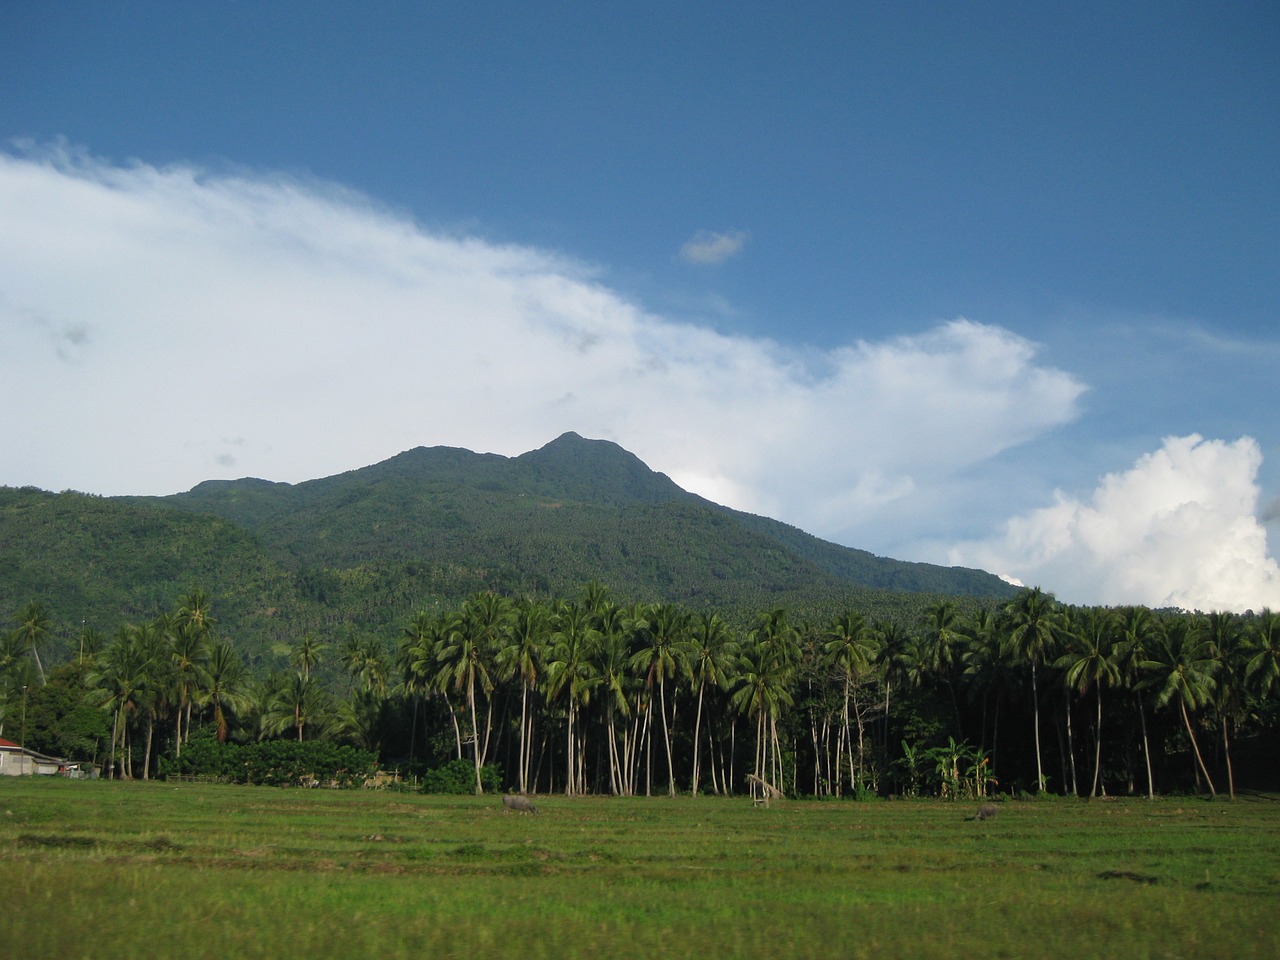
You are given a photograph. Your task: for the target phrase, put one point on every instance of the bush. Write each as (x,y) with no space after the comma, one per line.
(272,762)
(459,777)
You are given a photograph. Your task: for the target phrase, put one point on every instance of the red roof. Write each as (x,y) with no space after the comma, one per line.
(8,743)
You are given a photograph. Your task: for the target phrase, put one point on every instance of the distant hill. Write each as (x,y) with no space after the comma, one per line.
(558,512)
(362,550)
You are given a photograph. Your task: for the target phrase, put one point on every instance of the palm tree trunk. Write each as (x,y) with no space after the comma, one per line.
(524,699)
(1146,748)
(697,730)
(1226,750)
(1097,745)
(146,756)
(862,746)
(475,729)
(115,735)
(568,783)
(1035,701)
(1196,747)
(1071,751)
(666,736)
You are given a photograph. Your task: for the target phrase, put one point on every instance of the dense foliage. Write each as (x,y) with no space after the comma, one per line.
(361,552)
(273,763)
(587,695)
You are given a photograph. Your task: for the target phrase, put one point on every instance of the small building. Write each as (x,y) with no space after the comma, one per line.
(16,761)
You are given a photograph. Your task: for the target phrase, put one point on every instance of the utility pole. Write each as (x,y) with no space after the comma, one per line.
(23,744)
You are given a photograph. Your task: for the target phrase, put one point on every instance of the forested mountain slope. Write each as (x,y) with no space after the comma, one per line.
(363,550)
(567,507)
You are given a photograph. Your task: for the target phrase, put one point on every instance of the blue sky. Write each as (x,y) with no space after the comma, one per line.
(915,277)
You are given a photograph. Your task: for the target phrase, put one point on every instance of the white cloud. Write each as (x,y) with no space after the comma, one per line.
(167,326)
(708,248)
(1177,529)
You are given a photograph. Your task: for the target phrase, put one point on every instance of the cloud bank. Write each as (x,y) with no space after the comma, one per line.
(1178,529)
(164,326)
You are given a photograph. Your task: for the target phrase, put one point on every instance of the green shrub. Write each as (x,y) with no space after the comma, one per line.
(459,776)
(272,762)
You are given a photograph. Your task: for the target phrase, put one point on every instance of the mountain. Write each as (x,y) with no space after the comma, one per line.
(364,549)
(590,501)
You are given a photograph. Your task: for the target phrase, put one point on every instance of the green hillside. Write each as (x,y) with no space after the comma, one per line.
(362,550)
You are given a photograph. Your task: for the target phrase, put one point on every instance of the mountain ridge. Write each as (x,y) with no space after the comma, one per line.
(571,468)
(362,551)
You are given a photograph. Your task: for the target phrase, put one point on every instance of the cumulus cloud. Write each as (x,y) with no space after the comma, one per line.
(1177,529)
(708,248)
(323,332)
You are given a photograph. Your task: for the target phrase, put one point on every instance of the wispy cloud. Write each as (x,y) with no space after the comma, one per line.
(708,248)
(322,332)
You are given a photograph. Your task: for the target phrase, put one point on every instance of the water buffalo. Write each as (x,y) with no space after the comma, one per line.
(986,811)
(518,803)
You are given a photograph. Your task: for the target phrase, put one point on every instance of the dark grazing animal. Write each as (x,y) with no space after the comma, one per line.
(986,811)
(518,803)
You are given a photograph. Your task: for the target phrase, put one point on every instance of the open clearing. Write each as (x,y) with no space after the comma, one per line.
(194,870)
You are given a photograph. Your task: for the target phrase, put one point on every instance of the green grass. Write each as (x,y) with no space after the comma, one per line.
(188,870)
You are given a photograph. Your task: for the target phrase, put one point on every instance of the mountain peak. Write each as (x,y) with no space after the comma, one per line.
(598,470)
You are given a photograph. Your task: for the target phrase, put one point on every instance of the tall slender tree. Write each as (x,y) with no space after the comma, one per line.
(34,624)
(1139,630)
(1223,635)
(1262,653)
(224,686)
(521,657)
(849,647)
(1034,620)
(308,654)
(467,654)
(1181,670)
(1089,664)
(571,674)
(709,652)
(763,691)
(660,657)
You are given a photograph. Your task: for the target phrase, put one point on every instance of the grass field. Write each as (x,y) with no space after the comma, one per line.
(187,870)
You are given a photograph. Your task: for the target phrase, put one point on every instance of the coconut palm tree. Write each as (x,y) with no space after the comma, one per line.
(1262,651)
(709,652)
(116,677)
(1181,670)
(522,654)
(224,685)
(466,654)
(308,654)
(294,702)
(571,673)
(612,665)
(34,623)
(943,632)
(188,637)
(661,655)
(1034,621)
(364,659)
(419,670)
(157,683)
(986,672)
(1089,663)
(1224,633)
(1139,630)
(891,641)
(849,647)
(762,690)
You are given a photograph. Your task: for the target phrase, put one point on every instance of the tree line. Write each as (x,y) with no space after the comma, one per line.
(588,695)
